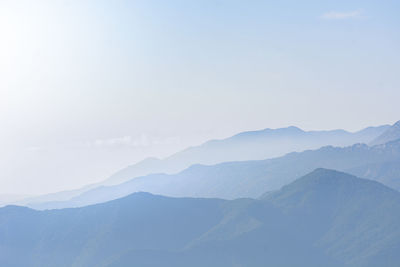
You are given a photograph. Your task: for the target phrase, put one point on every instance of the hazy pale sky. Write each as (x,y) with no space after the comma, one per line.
(90,86)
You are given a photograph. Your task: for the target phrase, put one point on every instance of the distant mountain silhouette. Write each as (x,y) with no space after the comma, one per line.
(244,146)
(249,178)
(47,198)
(326,218)
(252,145)
(391,134)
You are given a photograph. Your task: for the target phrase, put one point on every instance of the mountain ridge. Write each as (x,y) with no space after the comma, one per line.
(348,221)
(391,134)
(240,179)
(227,149)
(154,165)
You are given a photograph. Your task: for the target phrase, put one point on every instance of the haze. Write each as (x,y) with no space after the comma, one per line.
(89,87)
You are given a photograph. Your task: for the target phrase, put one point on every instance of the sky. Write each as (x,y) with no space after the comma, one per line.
(90,86)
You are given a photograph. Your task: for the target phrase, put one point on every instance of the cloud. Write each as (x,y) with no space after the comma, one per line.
(129,141)
(333,15)
(118,141)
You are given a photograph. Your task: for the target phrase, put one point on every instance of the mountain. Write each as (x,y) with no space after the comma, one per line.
(326,218)
(92,235)
(387,173)
(242,179)
(391,134)
(251,145)
(342,210)
(47,198)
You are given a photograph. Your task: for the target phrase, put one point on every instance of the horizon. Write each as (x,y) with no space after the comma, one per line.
(217,133)
(89,87)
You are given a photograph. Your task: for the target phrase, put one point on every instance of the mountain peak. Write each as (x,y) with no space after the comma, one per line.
(391,134)
(327,184)
(322,175)
(269,131)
